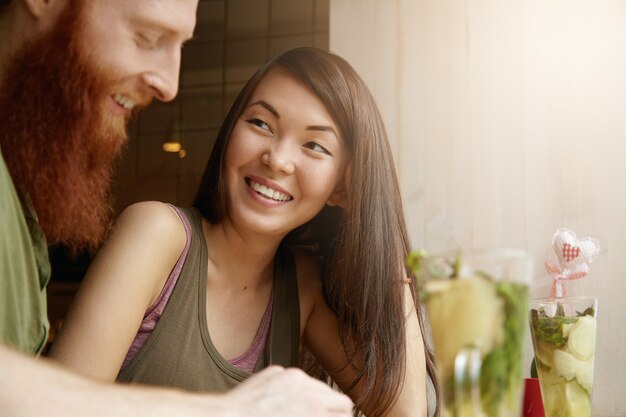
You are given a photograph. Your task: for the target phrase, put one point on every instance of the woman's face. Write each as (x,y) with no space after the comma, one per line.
(284,159)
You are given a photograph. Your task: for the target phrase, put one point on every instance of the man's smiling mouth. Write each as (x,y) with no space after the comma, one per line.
(124,101)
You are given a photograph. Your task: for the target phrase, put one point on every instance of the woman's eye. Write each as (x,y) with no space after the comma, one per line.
(314,146)
(259,123)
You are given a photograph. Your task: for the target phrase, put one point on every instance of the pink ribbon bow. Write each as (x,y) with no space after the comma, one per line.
(559,275)
(574,256)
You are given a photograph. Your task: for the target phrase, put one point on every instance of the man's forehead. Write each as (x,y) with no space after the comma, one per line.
(175,16)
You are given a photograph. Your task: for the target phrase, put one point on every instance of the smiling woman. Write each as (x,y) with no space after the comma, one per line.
(296,240)
(273,150)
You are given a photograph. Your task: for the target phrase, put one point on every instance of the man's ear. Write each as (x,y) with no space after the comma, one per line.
(37,8)
(46,11)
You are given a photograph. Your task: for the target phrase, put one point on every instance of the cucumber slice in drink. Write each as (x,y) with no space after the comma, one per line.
(565,364)
(582,338)
(578,401)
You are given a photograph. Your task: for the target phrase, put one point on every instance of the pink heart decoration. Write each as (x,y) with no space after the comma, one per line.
(571,251)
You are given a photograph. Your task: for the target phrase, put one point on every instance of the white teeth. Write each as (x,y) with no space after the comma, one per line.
(268,192)
(125,102)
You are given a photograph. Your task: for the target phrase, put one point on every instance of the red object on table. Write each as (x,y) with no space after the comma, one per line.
(533,405)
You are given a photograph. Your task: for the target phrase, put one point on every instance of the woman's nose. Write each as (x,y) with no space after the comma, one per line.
(279,158)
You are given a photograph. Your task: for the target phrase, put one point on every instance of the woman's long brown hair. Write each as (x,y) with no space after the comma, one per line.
(362,247)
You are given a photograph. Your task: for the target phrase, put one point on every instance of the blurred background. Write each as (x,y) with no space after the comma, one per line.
(507,120)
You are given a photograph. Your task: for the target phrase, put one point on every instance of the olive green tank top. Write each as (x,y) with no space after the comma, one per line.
(180,353)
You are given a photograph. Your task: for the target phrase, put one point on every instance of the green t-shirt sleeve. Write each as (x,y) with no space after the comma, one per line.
(24,272)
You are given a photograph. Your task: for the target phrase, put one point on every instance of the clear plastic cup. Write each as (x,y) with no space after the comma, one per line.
(564,338)
(477,305)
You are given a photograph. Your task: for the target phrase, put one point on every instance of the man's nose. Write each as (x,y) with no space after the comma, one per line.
(162,79)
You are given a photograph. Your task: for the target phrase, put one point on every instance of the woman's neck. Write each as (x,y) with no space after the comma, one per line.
(237,260)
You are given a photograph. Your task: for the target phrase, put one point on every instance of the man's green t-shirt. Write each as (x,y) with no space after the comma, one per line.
(24,271)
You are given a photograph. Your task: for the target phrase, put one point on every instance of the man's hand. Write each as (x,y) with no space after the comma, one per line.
(279,392)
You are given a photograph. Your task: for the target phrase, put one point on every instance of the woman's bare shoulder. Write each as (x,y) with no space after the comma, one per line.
(152,223)
(153,215)
(148,237)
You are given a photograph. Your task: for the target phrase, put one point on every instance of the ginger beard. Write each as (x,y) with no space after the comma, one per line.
(59,139)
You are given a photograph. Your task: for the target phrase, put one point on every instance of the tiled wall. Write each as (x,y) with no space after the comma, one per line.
(232,39)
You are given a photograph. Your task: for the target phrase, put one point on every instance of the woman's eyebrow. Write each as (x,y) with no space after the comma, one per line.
(271,109)
(322,129)
(267,106)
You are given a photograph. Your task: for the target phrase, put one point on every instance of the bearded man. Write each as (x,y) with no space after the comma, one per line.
(59,140)
(72,73)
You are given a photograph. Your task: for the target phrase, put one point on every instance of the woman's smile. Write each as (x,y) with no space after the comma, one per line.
(267,190)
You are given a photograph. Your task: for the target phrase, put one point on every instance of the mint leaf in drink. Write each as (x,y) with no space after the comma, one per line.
(550,329)
(589,311)
(501,369)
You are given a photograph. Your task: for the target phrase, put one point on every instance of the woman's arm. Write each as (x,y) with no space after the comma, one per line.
(124,279)
(321,337)
(412,400)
